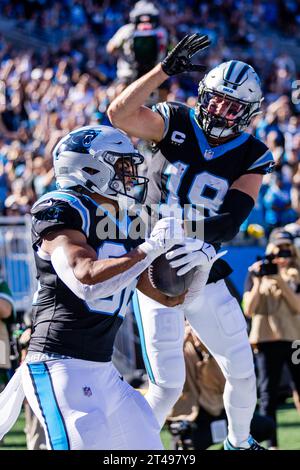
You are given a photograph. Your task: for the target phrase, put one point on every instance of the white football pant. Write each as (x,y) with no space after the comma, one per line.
(220,324)
(86,405)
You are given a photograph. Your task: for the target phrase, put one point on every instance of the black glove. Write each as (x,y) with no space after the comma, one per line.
(179,59)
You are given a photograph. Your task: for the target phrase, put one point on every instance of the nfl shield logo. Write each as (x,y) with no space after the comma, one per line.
(208,154)
(87,391)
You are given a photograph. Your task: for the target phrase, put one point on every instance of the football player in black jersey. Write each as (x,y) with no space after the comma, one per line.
(87,274)
(203,157)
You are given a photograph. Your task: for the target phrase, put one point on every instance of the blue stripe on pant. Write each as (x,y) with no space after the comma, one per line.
(45,395)
(139,321)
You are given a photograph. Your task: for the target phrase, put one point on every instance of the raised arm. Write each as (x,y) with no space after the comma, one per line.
(252,298)
(127,111)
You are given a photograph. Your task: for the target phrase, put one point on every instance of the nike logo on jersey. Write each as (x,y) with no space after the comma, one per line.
(48,204)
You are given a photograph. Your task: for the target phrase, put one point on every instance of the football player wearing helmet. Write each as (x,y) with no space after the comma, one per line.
(86,281)
(202,157)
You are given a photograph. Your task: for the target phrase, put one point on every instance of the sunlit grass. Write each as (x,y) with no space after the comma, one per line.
(288,431)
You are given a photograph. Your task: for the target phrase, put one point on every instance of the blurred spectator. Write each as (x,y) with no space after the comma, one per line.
(45,93)
(278,204)
(18,203)
(294,230)
(6,312)
(43,176)
(140,44)
(272,301)
(295,191)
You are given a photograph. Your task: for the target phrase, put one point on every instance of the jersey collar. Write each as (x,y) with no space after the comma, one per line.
(208,152)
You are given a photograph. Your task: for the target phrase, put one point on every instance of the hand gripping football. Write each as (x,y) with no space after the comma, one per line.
(164,278)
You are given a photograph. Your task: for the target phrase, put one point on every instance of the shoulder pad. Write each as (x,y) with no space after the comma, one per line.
(262,160)
(167,109)
(58,211)
(164,110)
(178,105)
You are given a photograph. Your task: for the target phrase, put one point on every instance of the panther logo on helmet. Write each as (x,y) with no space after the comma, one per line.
(100,159)
(78,141)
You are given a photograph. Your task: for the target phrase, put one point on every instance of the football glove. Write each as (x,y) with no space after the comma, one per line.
(166,233)
(179,59)
(193,253)
(200,278)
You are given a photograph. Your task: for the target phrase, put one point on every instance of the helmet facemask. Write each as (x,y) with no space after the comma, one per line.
(229,96)
(221,115)
(126,180)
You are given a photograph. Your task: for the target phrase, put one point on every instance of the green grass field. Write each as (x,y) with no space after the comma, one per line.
(288,419)
(288,429)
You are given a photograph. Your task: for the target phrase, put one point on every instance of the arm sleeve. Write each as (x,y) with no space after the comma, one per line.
(234,211)
(102,289)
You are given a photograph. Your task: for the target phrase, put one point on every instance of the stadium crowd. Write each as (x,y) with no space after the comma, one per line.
(44,93)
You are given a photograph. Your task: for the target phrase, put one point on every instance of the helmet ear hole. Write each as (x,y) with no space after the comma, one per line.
(90,171)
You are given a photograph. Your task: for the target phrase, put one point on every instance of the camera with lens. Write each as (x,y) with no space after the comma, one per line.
(267,267)
(146,37)
(284,254)
(181,430)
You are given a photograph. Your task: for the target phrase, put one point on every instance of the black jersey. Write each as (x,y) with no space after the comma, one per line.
(63,323)
(186,169)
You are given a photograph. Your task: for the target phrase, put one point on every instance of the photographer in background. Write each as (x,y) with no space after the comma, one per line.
(294,230)
(140,44)
(272,300)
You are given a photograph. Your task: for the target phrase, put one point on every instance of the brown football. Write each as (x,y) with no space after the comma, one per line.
(164,278)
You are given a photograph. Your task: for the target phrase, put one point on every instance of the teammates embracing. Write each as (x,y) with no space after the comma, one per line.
(202,157)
